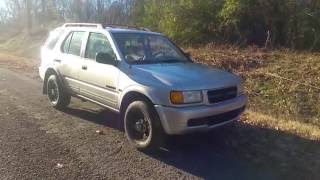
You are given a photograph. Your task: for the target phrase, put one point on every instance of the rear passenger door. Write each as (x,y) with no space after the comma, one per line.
(70,60)
(99,81)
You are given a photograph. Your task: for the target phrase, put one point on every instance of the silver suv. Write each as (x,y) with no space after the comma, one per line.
(142,75)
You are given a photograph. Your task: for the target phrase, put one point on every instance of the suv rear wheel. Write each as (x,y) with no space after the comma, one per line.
(142,126)
(58,97)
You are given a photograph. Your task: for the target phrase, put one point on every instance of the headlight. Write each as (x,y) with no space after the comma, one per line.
(185,97)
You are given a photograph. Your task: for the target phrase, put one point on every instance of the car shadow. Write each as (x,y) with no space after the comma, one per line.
(240,152)
(243,152)
(96,115)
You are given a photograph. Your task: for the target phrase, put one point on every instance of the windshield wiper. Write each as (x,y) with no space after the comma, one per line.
(171,61)
(143,62)
(158,62)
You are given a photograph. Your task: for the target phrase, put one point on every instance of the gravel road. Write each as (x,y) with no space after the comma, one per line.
(38,142)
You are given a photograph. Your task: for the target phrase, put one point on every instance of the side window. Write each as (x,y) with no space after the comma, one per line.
(66,44)
(98,43)
(76,42)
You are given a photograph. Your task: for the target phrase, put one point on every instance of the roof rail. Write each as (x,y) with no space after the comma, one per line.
(126,27)
(83,25)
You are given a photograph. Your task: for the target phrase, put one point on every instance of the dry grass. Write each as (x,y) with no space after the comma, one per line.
(231,58)
(301,129)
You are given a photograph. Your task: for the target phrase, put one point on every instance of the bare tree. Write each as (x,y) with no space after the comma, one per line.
(28,15)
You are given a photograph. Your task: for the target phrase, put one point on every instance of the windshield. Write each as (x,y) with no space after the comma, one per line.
(138,48)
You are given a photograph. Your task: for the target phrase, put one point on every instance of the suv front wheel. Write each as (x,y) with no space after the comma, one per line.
(58,97)
(142,126)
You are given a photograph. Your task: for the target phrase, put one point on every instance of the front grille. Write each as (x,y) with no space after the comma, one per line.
(216,119)
(215,96)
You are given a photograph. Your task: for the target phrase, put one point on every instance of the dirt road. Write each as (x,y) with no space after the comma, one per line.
(38,142)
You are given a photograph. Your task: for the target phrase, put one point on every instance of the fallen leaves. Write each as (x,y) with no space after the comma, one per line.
(59,166)
(99,132)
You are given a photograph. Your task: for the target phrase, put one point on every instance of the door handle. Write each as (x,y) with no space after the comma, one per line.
(57,60)
(84,67)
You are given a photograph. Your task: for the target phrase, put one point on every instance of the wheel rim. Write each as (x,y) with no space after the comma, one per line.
(138,126)
(53,91)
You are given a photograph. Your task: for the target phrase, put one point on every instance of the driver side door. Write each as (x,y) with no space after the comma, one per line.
(99,81)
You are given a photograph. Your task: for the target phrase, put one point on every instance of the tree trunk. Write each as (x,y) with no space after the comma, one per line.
(43,11)
(28,16)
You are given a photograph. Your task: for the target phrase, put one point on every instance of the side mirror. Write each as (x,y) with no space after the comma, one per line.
(188,54)
(106,58)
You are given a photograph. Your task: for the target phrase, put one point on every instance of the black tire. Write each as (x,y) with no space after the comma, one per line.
(57,95)
(143,127)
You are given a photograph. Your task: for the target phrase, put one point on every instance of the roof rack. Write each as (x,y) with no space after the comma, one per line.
(126,27)
(83,25)
(100,26)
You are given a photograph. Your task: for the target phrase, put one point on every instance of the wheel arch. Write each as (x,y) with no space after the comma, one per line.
(50,71)
(131,96)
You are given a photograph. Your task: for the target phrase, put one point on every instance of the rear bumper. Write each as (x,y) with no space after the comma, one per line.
(200,118)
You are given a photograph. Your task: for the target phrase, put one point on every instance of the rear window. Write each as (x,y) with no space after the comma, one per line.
(76,42)
(66,44)
(53,38)
(72,44)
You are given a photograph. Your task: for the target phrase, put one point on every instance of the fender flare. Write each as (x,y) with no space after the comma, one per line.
(140,90)
(50,71)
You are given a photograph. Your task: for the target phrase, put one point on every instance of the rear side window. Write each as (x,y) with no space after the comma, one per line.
(76,42)
(72,45)
(66,44)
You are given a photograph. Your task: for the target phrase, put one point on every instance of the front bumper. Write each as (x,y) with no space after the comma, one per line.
(176,120)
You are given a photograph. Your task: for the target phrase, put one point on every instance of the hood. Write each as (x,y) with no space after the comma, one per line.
(183,76)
